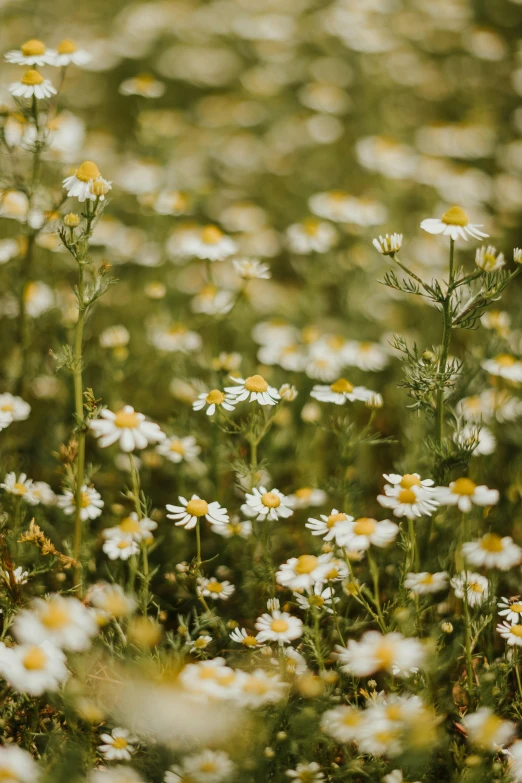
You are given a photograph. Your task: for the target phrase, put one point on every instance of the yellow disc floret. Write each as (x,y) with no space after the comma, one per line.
(455,216)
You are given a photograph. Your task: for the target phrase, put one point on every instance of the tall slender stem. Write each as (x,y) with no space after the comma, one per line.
(80,419)
(446,336)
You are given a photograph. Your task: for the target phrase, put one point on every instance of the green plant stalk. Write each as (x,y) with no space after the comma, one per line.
(135,478)
(446,337)
(78,405)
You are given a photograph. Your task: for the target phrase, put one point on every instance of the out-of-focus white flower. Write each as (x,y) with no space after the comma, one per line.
(32,85)
(207,766)
(266,504)
(486,442)
(464,493)
(61,620)
(213,588)
(127,427)
(33,52)
(18,409)
(111,600)
(489,259)
(389,244)
(425,582)
(311,236)
(176,338)
(191,511)
(487,730)
(504,366)
(341,391)
(474,586)
(307,497)
(306,773)
(144,85)
(252,269)
(33,668)
(17,765)
(493,551)
(358,534)
(137,529)
(375,652)
(67,53)
(20,486)
(211,244)
(455,224)
(301,573)
(177,450)
(364,355)
(120,547)
(91,503)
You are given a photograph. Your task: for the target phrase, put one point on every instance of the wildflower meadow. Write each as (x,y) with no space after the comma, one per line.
(261,391)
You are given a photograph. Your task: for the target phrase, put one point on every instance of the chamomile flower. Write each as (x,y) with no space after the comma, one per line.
(33,52)
(137,529)
(213,588)
(129,428)
(311,236)
(213,301)
(289,393)
(505,366)
(487,730)
(375,652)
(306,497)
(189,513)
(5,420)
(254,389)
(33,668)
(32,85)
(91,503)
(67,53)
(21,486)
(331,527)
(316,597)
(212,400)
(511,609)
(389,244)
(207,766)
(300,573)
(342,390)
(177,450)
(455,224)
(252,269)
(334,205)
(474,586)
(342,723)
(17,765)
(60,620)
(489,259)
(511,632)
(111,600)
(306,773)
(17,576)
(425,582)
(360,534)
(87,183)
(464,493)
(234,528)
(484,439)
(365,356)
(407,503)
(242,636)
(493,551)
(200,643)
(266,504)
(43,493)
(17,408)
(144,85)
(260,688)
(210,243)
(120,547)
(280,627)
(176,338)
(118,745)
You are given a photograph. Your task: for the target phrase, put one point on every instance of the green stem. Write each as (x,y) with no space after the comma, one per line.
(446,336)
(467,628)
(374,570)
(80,420)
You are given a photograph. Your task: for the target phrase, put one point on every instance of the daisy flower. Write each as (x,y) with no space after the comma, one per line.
(17,408)
(342,723)
(32,84)
(212,400)
(512,633)
(33,52)
(511,609)
(146,86)
(365,356)
(333,205)
(425,582)
(211,244)
(280,627)
(33,668)
(176,449)
(207,766)
(241,636)
(176,338)
(487,730)
(127,427)
(17,765)
(474,586)
(504,365)
(486,442)
(306,497)
(300,573)
(20,486)
(81,184)
(60,620)
(389,244)
(311,236)
(5,420)
(289,393)
(316,597)
(375,652)
(306,773)
(120,547)
(361,533)
(342,390)
(201,643)
(67,53)
(266,504)
(213,588)
(16,577)
(118,745)
(493,551)
(137,529)
(234,528)
(464,493)
(111,600)
(454,223)
(489,259)
(91,503)
(213,301)
(260,688)
(332,527)
(189,513)
(254,388)
(252,269)
(408,495)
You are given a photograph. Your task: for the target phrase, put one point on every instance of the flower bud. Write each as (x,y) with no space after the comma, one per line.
(72,220)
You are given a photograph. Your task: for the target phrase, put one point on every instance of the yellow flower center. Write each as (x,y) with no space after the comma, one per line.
(306,564)
(279,626)
(207,766)
(455,216)
(115,604)
(211,235)
(486,733)
(407,496)
(200,643)
(270,500)
(20,489)
(409,480)
(492,543)
(55,617)
(316,600)
(35,659)
(393,712)
(335,342)
(126,420)
(214,587)
(8,407)
(197,507)
(304,493)
(32,78)
(32,48)
(123,544)
(249,641)
(333,519)
(351,718)
(427,579)
(516,630)
(255,685)
(463,486)
(516,608)
(340,386)
(119,743)
(129,525)
(256,383)
(311,227)
(215,397)
(87,171)
(364,526)
(505,360)
(476,587)
(177,447)
(385,654)
(66,47)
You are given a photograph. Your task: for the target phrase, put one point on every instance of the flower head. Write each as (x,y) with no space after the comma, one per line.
(389,244)
(189,513)
(32,85)
(81,184)
(266,504)
(129,428)
(454,223)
